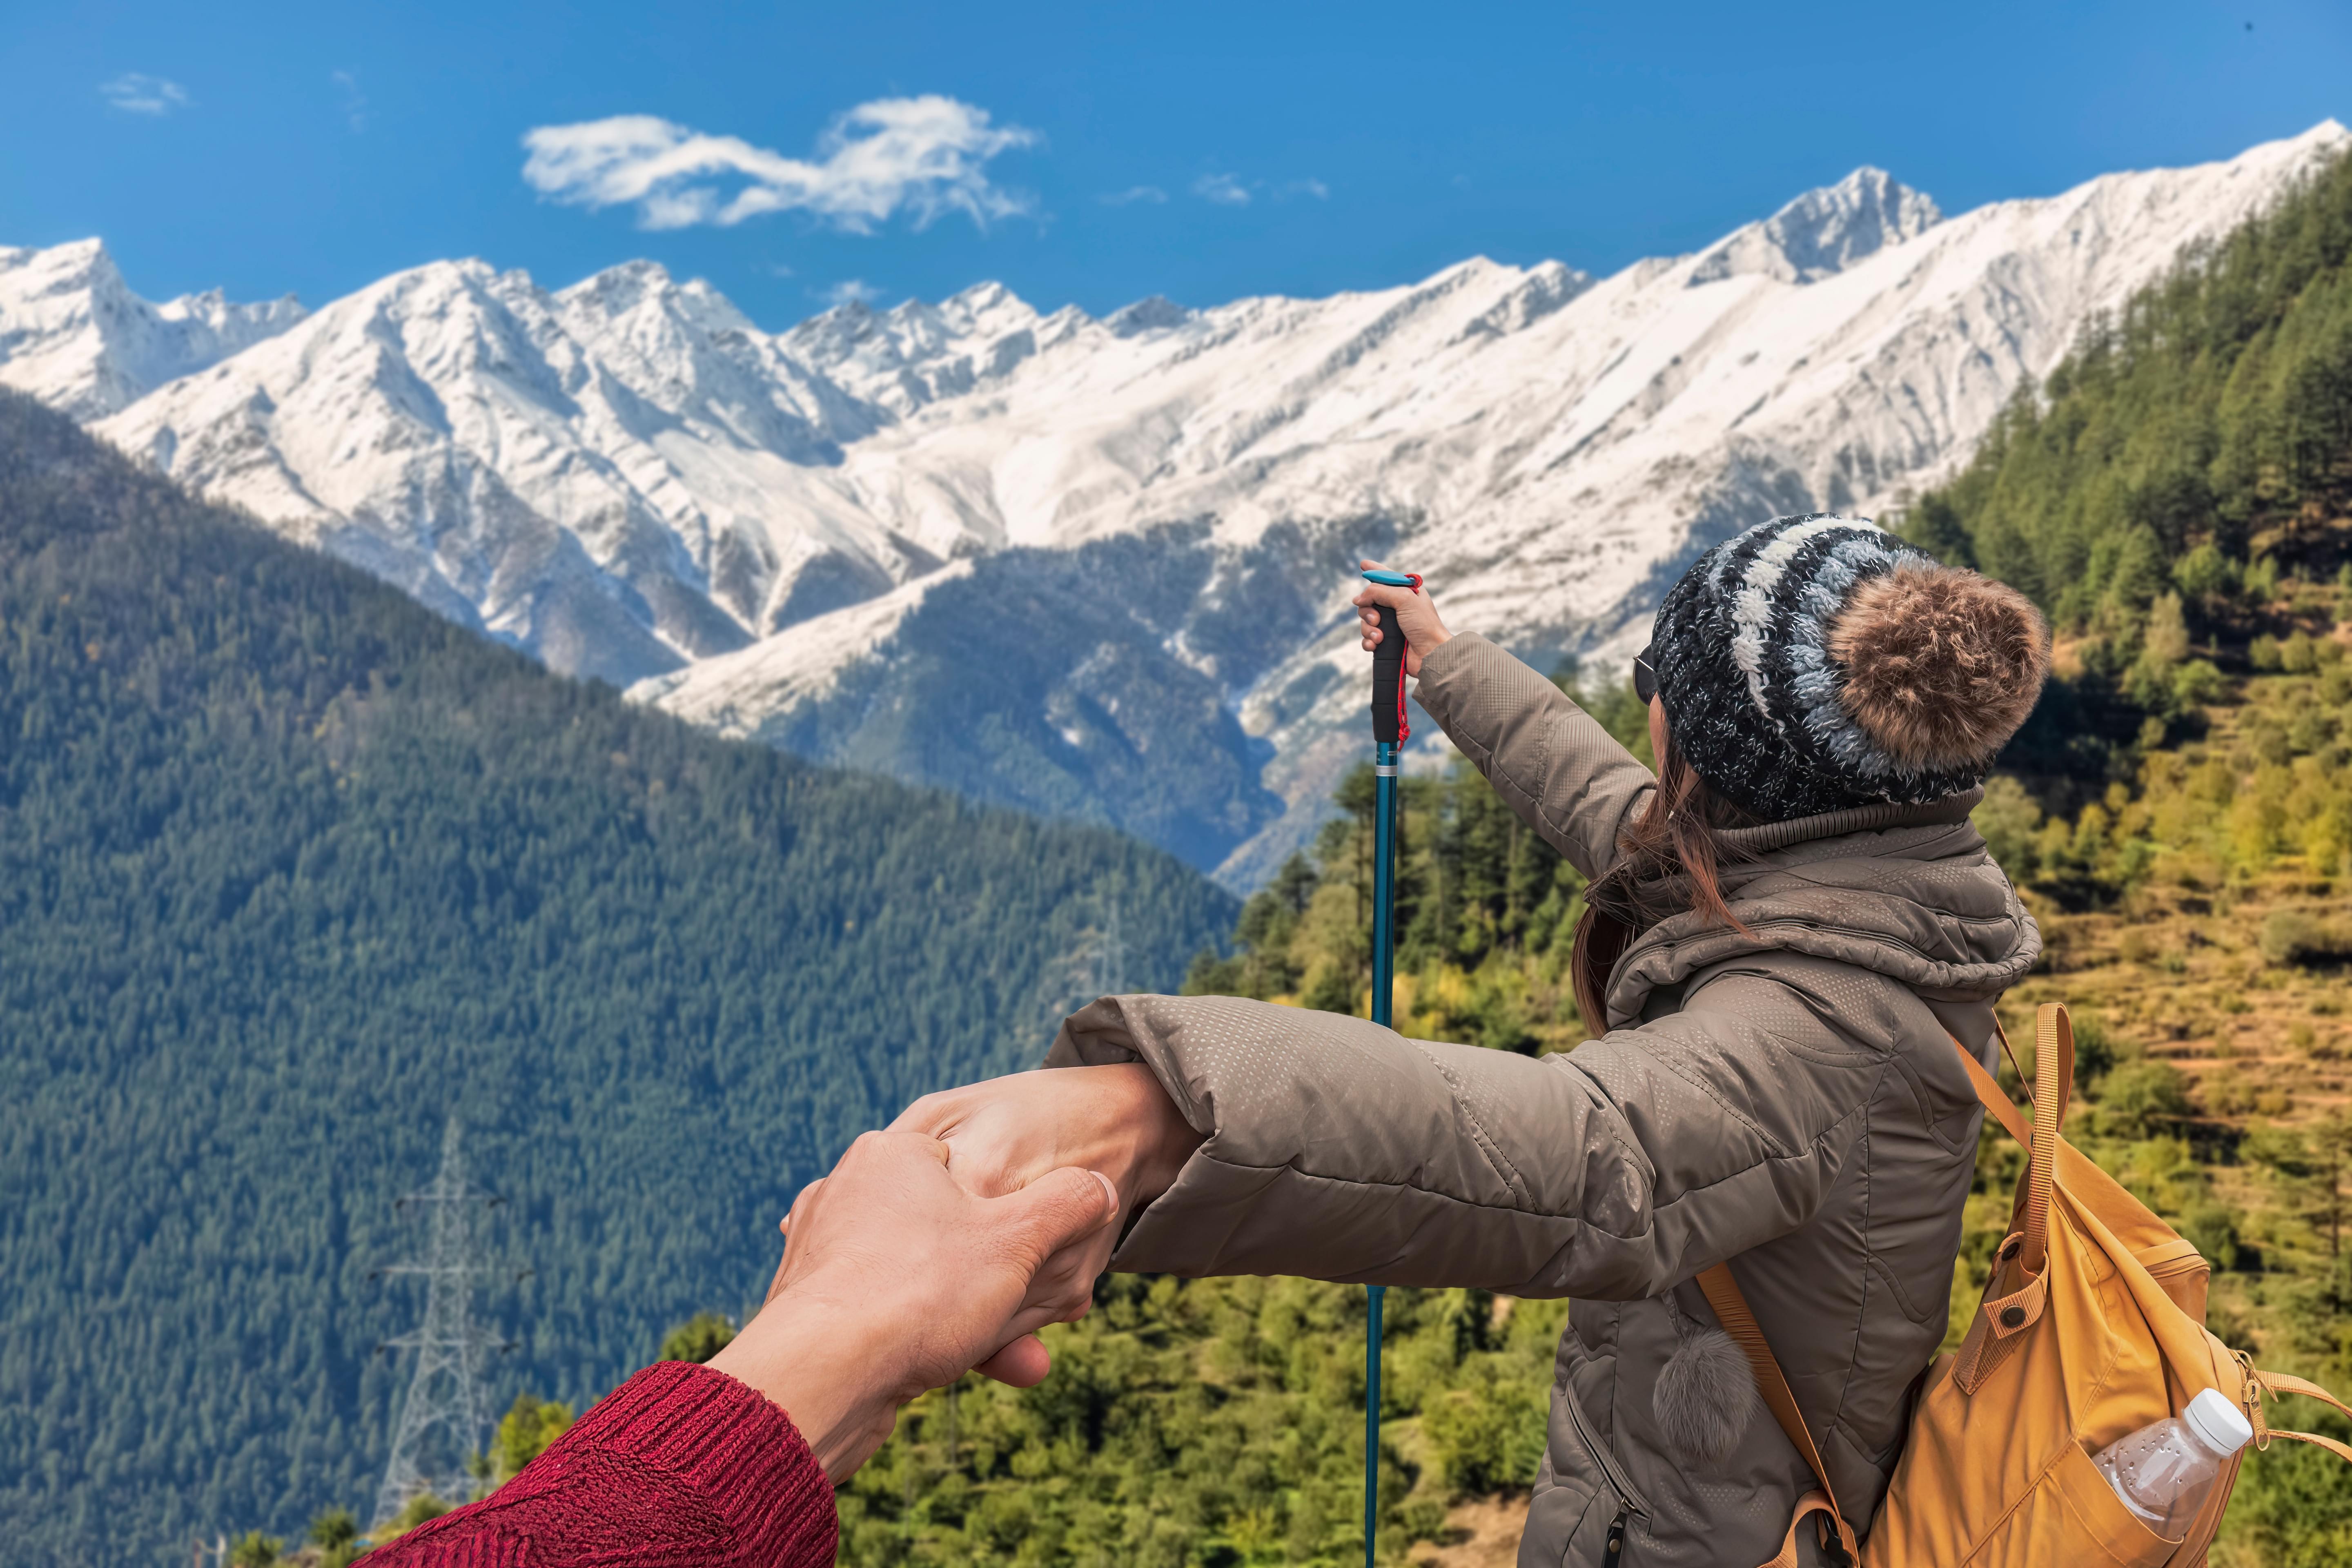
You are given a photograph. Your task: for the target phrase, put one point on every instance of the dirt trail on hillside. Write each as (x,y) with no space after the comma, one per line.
(1482,1533)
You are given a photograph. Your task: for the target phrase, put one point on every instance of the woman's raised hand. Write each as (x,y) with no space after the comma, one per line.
(1416,618)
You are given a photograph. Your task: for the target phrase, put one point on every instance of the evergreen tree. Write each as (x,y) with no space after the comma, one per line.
(698,1338)
(524,1433)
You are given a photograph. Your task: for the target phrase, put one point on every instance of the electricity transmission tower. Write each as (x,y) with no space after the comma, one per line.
(1096,965)
(443,1419)
(1109,956)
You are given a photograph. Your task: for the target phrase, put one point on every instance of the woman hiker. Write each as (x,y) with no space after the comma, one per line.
(1788,927)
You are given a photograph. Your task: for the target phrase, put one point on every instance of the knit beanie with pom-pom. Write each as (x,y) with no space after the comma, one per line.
(1816,663)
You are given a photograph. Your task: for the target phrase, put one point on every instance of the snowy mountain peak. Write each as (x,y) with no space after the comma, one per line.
(1530,295)
(914,354)
(981,300)
(79,264)
(1156,314)
(1141,528)
(663,315)
(623,288)
(73,335)
(1824,231)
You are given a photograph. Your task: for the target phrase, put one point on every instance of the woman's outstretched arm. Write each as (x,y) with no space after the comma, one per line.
(1334,1148)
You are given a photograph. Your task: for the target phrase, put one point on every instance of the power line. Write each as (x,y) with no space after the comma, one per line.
(444,1419)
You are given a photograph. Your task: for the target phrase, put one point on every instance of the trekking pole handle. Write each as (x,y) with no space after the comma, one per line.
(1388,664)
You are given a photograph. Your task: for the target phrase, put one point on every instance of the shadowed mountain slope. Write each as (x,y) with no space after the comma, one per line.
(292,870)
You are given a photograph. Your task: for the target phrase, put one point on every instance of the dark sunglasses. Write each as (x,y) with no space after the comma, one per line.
(1645,675)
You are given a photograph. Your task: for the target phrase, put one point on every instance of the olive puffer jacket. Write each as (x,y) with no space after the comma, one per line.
(1788,1099)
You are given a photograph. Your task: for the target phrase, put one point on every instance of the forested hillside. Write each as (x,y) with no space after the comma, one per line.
(292,870)
(2178,498)
(2192,452)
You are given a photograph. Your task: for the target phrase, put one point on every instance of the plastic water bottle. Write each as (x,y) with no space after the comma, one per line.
(2164,1471)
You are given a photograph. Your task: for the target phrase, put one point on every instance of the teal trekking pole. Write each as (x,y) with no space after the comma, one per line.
(1389,732)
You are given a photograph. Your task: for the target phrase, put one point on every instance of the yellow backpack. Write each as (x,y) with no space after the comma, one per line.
(2092,1326)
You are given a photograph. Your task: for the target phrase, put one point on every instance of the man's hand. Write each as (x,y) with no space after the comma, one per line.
(1003,1135)
(1416,619)
(898,1280)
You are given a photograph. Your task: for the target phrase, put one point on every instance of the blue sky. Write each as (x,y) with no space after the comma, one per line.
(1093,153)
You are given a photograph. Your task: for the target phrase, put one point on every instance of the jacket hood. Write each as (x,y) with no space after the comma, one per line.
(1908,892)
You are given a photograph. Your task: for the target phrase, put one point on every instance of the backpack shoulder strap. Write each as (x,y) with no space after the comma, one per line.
(1722,1292)
(1995,1099)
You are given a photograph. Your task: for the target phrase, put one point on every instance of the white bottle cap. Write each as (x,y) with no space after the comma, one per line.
(2218,1424)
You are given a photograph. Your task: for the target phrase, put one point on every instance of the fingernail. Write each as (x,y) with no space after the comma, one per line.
(1110,1194)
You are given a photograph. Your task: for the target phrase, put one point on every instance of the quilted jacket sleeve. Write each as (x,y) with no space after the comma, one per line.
(1550,760)
(1337,1149)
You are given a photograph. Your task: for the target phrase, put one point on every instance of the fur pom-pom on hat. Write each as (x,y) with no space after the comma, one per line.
(1941,666)
(1815,663)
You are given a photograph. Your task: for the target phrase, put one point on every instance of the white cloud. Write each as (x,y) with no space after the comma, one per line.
(354,103)
(1233,190)
(1152,193)
(136,92)
(923,155)
(851,291)
(1223,189)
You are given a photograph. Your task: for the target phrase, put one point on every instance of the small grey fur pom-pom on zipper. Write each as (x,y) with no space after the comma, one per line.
(1705,1396)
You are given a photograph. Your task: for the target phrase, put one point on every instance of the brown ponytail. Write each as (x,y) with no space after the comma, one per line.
(1674,853)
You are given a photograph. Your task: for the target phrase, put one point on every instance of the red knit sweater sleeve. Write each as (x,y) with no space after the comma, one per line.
(680,1465)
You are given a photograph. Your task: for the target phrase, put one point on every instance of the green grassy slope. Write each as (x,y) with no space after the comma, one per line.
(290,870)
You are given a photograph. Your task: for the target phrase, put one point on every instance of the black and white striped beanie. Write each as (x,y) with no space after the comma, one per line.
(1752,694)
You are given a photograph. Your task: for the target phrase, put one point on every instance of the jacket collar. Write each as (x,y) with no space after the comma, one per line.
(1754,841)
(1613,893)
(1821,886)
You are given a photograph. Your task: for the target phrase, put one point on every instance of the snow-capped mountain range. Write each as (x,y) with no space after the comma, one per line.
(1099,566)
(74,335)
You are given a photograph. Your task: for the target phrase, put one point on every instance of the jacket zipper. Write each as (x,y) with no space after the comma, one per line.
(1613,1553)
(1630,1499)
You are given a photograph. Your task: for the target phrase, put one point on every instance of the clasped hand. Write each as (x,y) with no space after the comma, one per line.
(982,1214)
(896,1280)
(1004,1133)
(945,1243)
